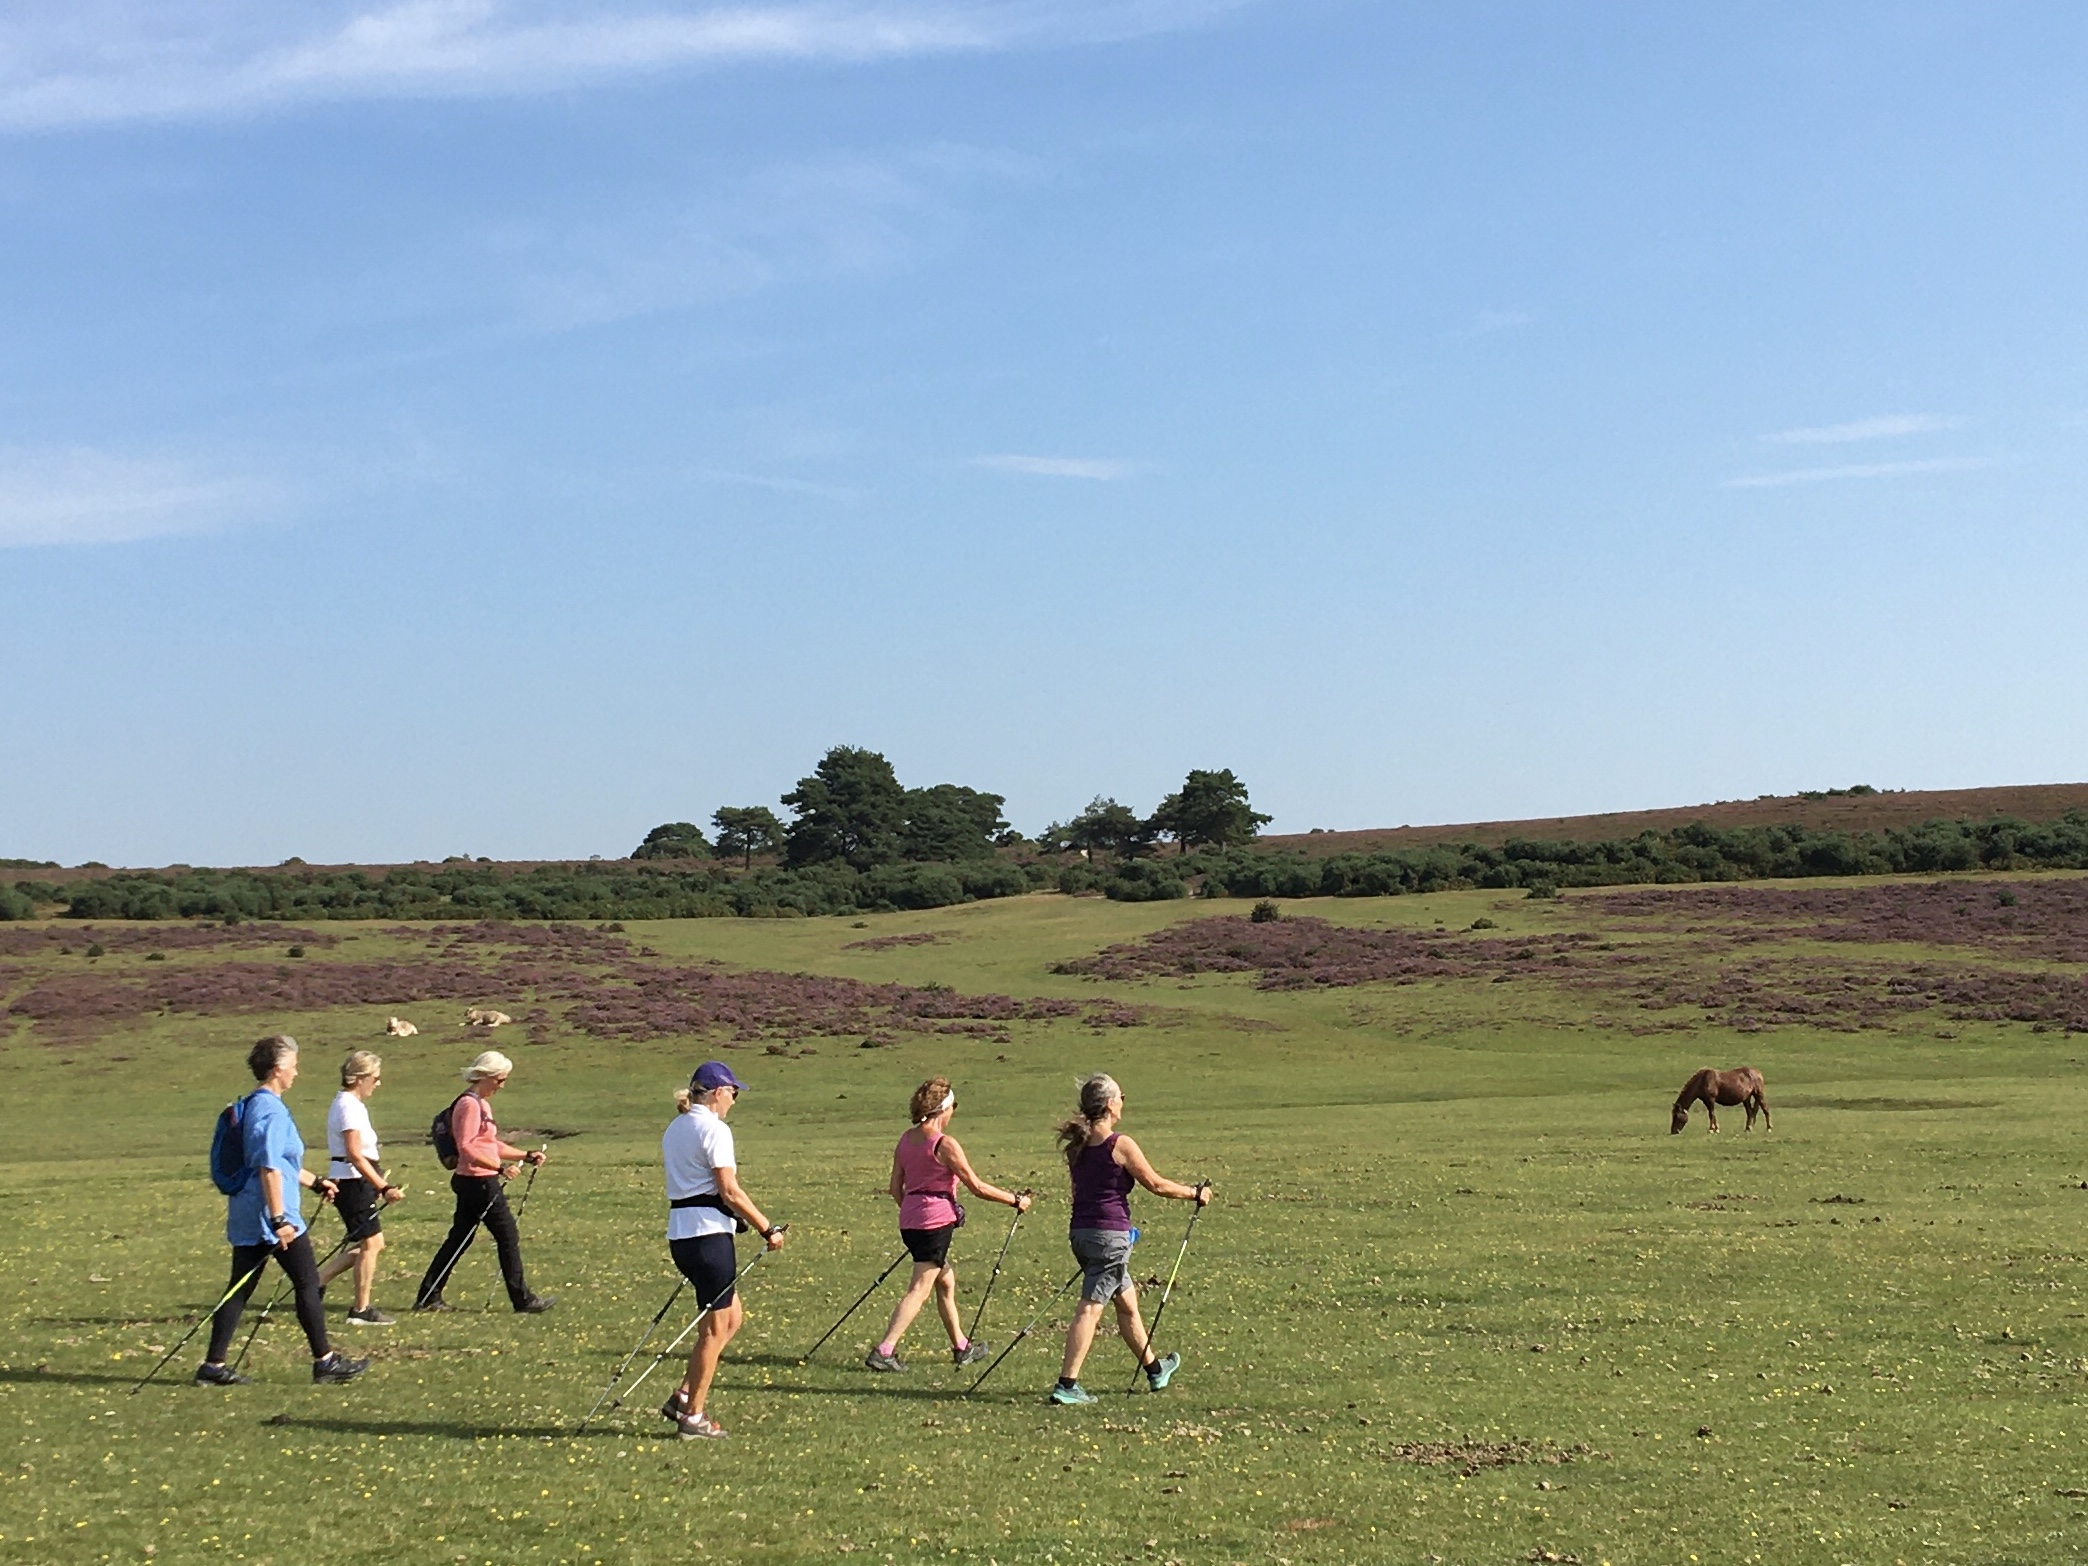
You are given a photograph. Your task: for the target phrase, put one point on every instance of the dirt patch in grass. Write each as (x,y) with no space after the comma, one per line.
(1471,1457)
(884,943)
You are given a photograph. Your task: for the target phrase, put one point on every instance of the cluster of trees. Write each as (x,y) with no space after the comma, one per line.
(851,811)
(1210,810)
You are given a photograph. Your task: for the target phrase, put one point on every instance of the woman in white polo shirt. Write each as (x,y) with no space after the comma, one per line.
(351,1146)
(706,1206)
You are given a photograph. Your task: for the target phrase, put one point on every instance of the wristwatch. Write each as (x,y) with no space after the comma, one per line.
(278,1221)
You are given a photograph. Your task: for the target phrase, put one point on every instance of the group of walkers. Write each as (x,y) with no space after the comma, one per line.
(259,1163)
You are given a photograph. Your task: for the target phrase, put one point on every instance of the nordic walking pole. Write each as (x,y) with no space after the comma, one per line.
(980,1314)
(858,1305)
(527,1186)
(1025,1332)
(1167,1293)
(691,1327)
(237,1285)
(277,1299)
(658,1316)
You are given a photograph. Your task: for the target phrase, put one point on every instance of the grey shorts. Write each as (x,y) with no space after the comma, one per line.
(1105,1259)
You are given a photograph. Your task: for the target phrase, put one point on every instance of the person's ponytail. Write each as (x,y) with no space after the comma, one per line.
(1097,1093)
(684,1100)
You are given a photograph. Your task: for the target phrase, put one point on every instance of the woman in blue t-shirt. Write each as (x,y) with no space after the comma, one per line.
(264,1222)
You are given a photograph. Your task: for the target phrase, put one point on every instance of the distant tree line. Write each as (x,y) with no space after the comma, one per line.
(1683,854)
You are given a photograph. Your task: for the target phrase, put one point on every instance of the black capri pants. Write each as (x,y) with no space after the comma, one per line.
(710,1263)
(299,1266)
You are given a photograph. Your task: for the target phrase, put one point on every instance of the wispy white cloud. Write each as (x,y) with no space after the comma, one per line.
(1889,426)
(1858,470)
(96,61)
(80,495)
(1058,467)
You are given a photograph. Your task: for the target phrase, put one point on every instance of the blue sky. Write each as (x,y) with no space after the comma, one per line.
(470,426)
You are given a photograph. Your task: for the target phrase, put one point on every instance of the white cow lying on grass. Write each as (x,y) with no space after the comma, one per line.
(399,1028)
(486,1017)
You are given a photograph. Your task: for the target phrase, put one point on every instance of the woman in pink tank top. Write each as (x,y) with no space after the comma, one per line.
(926,1166)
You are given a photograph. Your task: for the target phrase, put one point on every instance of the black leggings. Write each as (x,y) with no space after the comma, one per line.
(480,1200)
(299,1266)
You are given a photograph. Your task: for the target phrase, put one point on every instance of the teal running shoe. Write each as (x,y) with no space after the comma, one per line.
(1162,1370)
(1072,1396)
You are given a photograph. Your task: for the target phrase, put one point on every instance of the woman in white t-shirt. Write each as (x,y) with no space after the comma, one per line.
(706,1206)
(351,1145)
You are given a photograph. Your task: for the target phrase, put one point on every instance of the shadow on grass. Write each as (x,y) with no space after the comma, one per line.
(34,1373)
(452,1429)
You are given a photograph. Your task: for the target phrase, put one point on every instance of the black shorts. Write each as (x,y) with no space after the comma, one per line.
(930,1247)
(709,1262)
(358,1205)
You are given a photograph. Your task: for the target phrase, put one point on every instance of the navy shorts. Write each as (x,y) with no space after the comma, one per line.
(358,1204)
(929,1247)
(709,1262)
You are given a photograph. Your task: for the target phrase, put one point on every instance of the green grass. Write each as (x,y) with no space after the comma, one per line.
(1447,1213)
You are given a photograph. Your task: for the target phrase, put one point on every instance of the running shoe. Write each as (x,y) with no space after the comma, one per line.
(370,1316)
(885,1362)
(220,1376)
(1072,1396)
(971,1353)
(1162,1370)
(438,1303)
(675,1407)
(698,1427)
(536,1304)
(338,1367)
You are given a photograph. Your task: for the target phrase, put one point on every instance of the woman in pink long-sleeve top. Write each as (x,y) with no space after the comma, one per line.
(484,1164)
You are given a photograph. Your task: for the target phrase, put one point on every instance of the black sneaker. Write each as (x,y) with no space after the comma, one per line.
(338,1367)
(536,1304)
(370,1316)
(438,1303)
(676,1407)
(221,1376)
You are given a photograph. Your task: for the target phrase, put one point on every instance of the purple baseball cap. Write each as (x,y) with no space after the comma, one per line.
(716,1074)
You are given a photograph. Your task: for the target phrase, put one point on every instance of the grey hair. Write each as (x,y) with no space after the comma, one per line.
(1097,1093)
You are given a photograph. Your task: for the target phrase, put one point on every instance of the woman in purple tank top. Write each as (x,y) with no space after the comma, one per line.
(1104,1166)
(926,1166)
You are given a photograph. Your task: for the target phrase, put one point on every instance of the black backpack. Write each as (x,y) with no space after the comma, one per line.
(443,1137)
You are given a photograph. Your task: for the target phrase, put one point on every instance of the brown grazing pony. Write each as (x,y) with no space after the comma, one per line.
(1741,1085)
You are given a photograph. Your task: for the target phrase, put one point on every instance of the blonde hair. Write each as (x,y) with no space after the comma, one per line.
(930,1099)
(359,1064)
(490,1064)
(1097,1093)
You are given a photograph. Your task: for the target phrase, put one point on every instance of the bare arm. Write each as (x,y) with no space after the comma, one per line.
(951,1157)
(1130,1156)
(740,1202)
(896,1186)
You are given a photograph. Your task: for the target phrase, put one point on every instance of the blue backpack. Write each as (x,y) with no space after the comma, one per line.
(228,1165)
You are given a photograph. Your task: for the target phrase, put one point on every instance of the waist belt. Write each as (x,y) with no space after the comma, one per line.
(714,1201)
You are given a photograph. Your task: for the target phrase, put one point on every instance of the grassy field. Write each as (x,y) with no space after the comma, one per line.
(1462,1298)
